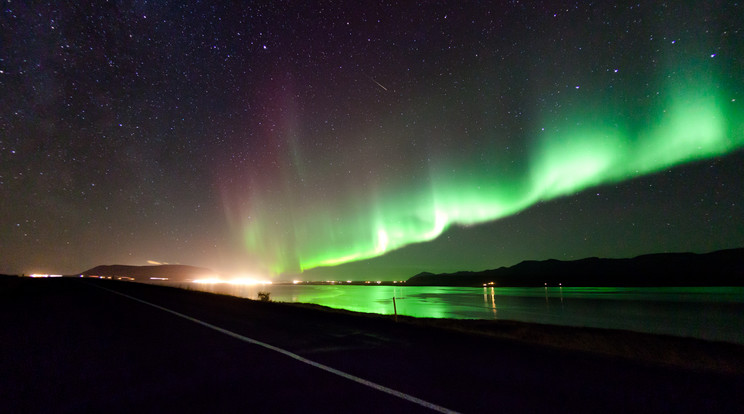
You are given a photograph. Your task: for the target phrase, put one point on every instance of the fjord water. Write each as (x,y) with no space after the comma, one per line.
(712,313)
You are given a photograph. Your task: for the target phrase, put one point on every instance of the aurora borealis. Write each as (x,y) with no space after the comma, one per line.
(398,138)
(570,159)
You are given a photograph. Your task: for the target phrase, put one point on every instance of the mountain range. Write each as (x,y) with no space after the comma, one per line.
(719,268)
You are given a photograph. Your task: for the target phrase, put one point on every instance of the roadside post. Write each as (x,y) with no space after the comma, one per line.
(395,310)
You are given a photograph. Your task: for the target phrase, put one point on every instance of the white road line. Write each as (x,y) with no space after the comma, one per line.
(362,381)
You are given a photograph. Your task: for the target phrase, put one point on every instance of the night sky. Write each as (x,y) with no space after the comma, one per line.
(385,139)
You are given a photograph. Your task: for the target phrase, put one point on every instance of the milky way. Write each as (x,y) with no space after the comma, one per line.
(276,139)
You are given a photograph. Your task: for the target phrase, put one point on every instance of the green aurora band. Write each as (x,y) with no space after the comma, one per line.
(696,121)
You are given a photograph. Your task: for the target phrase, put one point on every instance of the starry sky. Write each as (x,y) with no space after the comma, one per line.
(367,139)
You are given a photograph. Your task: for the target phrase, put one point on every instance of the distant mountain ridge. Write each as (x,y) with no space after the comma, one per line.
(143,273)
(719,268)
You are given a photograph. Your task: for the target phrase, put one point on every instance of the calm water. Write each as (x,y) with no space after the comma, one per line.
(715,313)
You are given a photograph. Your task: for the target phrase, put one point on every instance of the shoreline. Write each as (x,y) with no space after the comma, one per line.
(709,313)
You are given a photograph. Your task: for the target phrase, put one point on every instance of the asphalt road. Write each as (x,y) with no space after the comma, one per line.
(66,345)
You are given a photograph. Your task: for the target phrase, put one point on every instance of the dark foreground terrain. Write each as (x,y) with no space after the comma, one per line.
(66,345)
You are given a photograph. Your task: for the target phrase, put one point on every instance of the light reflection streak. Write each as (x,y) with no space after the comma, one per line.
(490,300)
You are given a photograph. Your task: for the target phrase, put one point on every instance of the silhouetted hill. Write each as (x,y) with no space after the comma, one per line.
(143,273)
(720,268)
